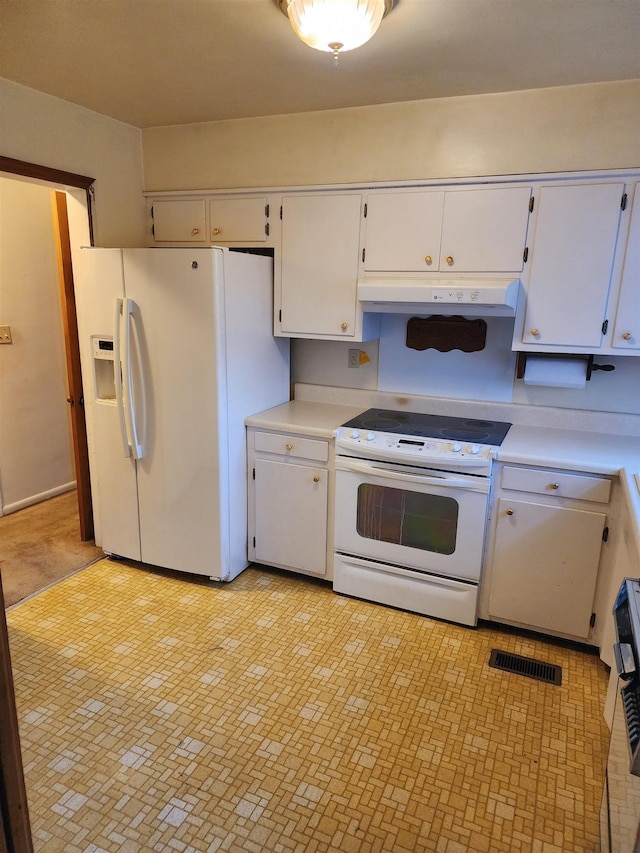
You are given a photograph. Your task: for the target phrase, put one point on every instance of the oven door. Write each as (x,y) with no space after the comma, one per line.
(425,520)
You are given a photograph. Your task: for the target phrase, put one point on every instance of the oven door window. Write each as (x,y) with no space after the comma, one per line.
(413,519)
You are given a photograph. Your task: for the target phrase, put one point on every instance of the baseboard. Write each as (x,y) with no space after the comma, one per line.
(36,499)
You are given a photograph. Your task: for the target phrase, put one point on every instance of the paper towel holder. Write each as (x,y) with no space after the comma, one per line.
(521,361)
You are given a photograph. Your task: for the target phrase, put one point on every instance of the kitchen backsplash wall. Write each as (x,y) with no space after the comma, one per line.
(486,376)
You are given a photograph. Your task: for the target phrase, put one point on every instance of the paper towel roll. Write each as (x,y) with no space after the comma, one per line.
(555,372)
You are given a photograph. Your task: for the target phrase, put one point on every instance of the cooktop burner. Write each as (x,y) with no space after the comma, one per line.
(431,426)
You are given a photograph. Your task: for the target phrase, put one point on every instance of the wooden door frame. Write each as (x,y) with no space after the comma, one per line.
(74,374)
(14,811)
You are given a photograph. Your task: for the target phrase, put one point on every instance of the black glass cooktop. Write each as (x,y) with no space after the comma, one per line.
(431,426)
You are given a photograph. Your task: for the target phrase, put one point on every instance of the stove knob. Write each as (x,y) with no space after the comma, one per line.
(355,433)
(370,436)
(457,447)
(475,448)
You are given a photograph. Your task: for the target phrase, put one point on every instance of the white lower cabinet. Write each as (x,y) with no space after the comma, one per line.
(546,539)
(288,506)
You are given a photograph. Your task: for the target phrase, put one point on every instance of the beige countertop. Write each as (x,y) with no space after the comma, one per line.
(304,418)
(571,450)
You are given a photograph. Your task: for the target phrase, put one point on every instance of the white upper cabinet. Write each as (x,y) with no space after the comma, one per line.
(319,266)
(455,230)
(626,331)
(571,265)
(179,221)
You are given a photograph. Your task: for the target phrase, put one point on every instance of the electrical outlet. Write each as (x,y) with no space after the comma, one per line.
(5,335)
(354,358)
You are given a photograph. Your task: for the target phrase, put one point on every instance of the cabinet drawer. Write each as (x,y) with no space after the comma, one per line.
(557,484)
(292,445)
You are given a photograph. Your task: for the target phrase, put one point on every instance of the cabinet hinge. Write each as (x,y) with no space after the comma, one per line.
(266,229)
(254,473)
(152,211)
(365,210)
(605,534)
(525,255)
(153,230)
(280,316)
(254,541)
(623,202)
(605,326)
(280,211)
(266,210)
(363,253)
(592,621)
(532,201)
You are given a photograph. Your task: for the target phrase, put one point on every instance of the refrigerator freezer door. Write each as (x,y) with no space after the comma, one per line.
(176,385)
(99,283)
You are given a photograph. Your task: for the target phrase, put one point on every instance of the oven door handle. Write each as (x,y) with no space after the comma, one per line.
(446,481)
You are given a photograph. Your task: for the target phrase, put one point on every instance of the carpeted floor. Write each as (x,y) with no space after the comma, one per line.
(41,544)
(165,713)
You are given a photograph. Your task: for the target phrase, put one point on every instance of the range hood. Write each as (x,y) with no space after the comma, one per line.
(469,297)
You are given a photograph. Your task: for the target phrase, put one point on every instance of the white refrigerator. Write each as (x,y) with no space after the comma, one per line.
(176,350)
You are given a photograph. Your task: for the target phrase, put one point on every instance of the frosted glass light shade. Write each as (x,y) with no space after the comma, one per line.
(336,25)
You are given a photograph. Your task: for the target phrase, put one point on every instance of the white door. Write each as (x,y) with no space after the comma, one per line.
(545,566)
(320,236)
(291,515)
(626,332)
(99,284)
(177,297)
(179,221)
(484,230)
(571,263)
(403,231)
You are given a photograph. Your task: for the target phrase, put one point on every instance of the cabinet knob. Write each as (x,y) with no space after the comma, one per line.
(288,447)
(535,332)
(509,512)
(627,336)
(344,327)
(554,486)
(216,230)
(428,259)
(316,479)
(195,231)
(450,260)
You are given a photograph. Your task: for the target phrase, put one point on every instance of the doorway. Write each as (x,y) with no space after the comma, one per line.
(40,373)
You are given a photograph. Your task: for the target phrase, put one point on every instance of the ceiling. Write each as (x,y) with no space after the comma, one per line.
(161,62)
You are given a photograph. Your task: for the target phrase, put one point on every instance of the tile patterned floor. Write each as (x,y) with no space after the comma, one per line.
(160,713)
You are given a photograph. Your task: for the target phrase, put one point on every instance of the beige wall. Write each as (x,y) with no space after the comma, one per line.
(35,440)
(41,129)
(563,129)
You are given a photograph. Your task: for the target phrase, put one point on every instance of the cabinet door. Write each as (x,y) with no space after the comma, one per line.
(403,231)
(571,263)
(291,515)
(233,220)
(485,230)
(179,221)
(320,241)
(626,332)
(545,566)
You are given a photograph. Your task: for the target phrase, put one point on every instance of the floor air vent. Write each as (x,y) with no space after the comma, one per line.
(519,665)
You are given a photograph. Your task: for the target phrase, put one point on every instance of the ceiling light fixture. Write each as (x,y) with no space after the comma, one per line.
(335,25)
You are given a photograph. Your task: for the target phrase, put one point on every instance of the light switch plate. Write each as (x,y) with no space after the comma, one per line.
(5,335)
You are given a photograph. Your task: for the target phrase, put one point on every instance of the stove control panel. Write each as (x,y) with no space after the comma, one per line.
(390,445)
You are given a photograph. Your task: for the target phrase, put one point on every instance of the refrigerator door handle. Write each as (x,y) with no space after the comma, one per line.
(136,446)
(117,369)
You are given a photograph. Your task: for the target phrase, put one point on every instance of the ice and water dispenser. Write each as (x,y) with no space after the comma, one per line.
(104,368)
